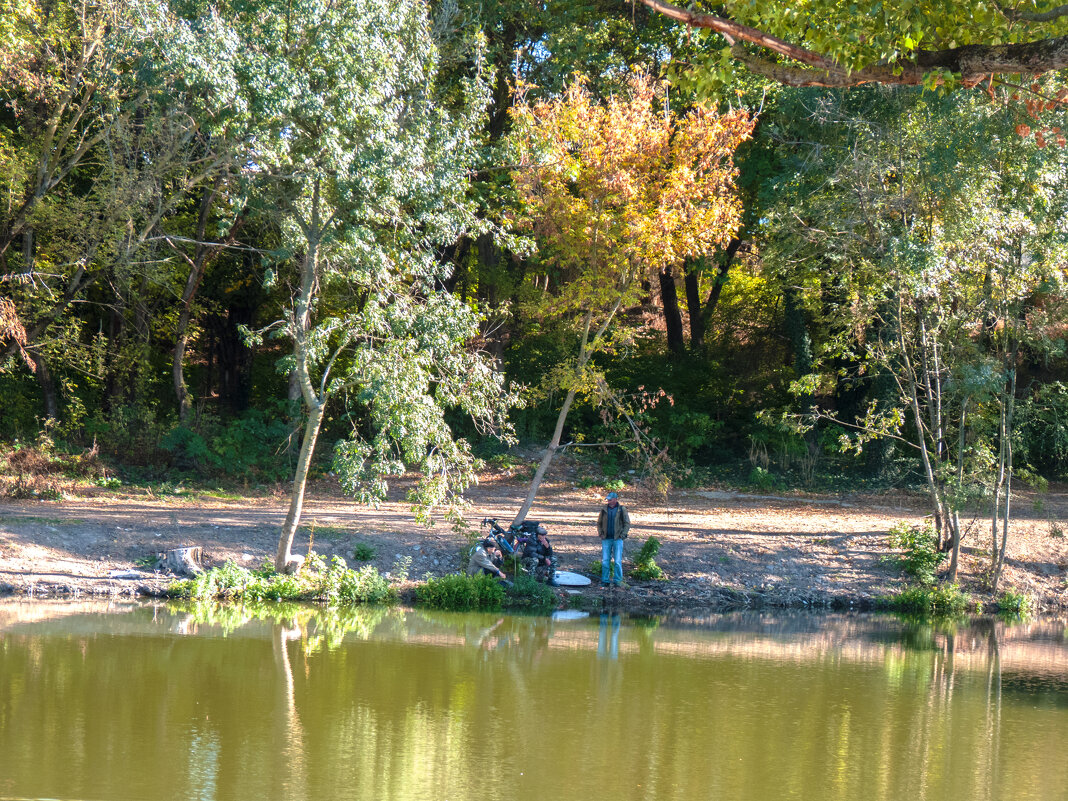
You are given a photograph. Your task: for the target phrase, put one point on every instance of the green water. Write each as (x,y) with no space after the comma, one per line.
(136,702)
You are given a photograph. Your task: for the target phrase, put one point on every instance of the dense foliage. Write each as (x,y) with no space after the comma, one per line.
(233,231)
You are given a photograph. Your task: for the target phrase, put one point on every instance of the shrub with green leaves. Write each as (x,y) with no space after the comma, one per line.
(320,580)
(920,556)
(946,599)
(526,593)
(763,479)
(645,566)
(1017,603)
(461,593)
(363,552)
(247,446)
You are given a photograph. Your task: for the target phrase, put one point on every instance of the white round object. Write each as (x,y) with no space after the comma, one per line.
(565,578)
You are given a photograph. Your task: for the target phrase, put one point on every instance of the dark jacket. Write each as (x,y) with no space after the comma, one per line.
(622,521)
(535,550)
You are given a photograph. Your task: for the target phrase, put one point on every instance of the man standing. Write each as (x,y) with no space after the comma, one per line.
(613,525)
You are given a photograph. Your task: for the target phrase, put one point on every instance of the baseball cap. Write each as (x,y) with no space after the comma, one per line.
(611,496)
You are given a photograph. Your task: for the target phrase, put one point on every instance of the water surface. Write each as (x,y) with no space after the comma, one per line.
(108,703)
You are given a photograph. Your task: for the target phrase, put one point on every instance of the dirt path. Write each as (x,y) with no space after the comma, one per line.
(719,548)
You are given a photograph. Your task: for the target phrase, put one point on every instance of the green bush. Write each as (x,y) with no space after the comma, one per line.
(645,566)
(946,599)
(1017,603)
(247,447)
(762,479)
(461,593)
(1040,425)
(319,580)
(526,593)
(920,557)
(364,552)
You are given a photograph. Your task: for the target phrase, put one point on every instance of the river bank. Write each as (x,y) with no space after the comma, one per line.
(720,549)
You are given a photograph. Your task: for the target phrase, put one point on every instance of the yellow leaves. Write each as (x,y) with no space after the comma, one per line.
(623,182)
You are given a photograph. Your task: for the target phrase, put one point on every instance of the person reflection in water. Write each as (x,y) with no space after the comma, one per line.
(605,647)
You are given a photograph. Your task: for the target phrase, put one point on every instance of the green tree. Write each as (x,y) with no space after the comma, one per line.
(945,231)
(353,156)
(102,138)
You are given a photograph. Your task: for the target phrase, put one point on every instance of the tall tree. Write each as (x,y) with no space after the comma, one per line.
(354,157)
(101,140)
(944,233)
(615,192)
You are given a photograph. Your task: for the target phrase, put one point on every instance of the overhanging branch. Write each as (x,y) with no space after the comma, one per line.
(1035,16)
(973,63)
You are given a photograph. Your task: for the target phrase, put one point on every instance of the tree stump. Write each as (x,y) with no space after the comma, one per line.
(182,561)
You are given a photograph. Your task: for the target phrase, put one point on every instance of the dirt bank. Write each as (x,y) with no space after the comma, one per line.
(720,549)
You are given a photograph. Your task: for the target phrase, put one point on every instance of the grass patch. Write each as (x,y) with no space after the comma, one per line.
(943,600)
(37,519)
(363,552)
(220,494)
(332,533)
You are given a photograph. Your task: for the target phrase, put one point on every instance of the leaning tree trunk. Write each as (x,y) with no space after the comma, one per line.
(546,459)
(284,560)
(913,382)
(583,357)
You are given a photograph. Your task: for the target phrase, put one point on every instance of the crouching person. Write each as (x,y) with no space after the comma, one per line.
(538,558)
(486,559)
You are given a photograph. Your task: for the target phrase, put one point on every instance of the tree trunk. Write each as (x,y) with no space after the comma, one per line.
(284,560)
(912,381)
(300,325)
(47,384)
(701,314)
(184,561)
(1005,473)
(583,357)
(113,385)
(693,308)
(546,459)
(669,298)
(181,338)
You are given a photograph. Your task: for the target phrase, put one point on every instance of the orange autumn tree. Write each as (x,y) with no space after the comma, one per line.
(613,191)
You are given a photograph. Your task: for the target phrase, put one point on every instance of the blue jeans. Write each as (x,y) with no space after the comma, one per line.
(613,549)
